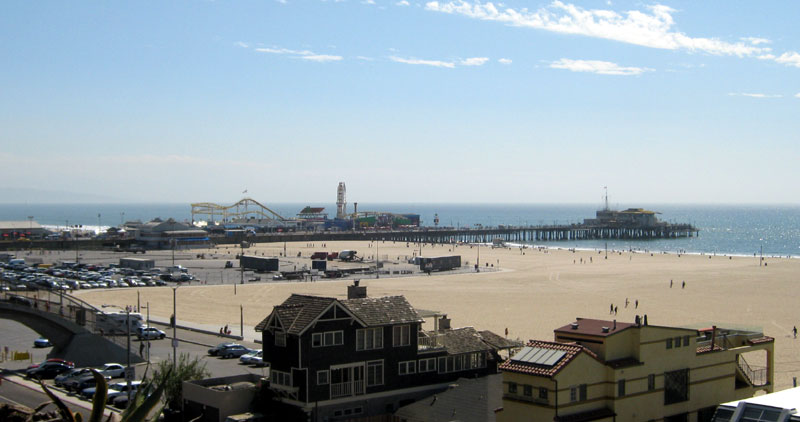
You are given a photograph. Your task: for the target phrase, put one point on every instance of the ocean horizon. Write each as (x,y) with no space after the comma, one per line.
(724,229)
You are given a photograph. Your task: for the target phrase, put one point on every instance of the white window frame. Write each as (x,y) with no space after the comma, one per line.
(366,336)
(327,338)
(281,378)
(428,364)
(408,367)
(377,366)
(401,335)
(327,374)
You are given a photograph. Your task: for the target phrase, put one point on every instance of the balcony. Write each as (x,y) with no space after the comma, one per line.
(347,389)
(429,341)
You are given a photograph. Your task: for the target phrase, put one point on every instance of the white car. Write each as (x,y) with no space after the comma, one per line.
(113,370)
(150,333)
(121,389)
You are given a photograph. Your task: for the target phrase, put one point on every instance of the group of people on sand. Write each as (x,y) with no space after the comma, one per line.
(613,309)
(225,330)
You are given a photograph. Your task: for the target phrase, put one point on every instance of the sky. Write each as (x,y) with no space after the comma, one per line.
(405,101)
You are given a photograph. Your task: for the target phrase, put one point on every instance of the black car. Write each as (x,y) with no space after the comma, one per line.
(214,351)
(48,370)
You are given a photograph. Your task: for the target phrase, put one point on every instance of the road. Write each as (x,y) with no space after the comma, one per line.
(14,393)
(18,337)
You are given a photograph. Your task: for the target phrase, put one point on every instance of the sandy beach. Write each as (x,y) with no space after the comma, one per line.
(533,292)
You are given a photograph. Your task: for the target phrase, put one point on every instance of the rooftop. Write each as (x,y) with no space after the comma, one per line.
(593,327)
(571,350)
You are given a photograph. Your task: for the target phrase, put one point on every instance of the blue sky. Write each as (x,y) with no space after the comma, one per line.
(405,101)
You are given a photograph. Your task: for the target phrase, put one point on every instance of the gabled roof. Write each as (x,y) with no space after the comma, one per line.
(388,310)
(298,312)
(571,351)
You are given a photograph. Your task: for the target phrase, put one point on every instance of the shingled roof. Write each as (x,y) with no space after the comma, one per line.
(571,350)
(297,312)
(386,310)
(462,340)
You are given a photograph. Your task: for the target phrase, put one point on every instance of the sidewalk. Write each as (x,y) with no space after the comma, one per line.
(250,335)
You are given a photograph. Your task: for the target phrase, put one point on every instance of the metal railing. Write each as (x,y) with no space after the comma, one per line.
(346,389)
(63,305)
(756,377)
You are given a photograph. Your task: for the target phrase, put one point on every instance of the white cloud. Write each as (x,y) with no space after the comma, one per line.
(791,58)
(504,61)
(756,40)
(284,51)
(474,61)
(368,2)
(597,66)
(754,95)
(365,58)
(301,54)
(651,28)
(434,63)
(402,3)
(797,95)
(241,44)
(321,58)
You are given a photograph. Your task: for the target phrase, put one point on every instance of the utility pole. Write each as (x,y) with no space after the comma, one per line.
(241,320)
(241,267)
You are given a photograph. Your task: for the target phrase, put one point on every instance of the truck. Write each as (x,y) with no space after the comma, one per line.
(319,255)
(439,263)
(348,255)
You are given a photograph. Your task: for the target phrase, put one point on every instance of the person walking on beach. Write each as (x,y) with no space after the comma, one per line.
(637,304)
(683,284)
(794,331)
(670,283)
(611,310)
(626,302)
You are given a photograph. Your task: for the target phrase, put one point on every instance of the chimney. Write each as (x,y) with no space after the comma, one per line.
(713,336)
(444,323)
(645,319)
(615,325)
(355,291)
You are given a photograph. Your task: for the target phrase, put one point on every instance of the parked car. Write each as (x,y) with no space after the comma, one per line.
(250,358)
(113,370)
(73,373)
(47,370)
(57,360)
(214,351)
(42,342)
(150,333)
(84,383)
(121,389)
(233,351)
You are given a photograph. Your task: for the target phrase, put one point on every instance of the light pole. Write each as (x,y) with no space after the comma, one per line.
(98,224)
(174,328)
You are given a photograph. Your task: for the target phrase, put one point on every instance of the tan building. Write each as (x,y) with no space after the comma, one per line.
(607,371)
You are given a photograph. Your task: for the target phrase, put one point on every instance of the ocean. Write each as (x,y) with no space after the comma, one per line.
(724,229)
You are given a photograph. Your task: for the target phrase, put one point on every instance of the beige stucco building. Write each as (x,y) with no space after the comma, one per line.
(599,370)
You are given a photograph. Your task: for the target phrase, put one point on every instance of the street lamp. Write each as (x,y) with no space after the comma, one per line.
(174,327)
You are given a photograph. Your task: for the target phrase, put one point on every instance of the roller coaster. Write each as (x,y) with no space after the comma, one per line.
(243,209)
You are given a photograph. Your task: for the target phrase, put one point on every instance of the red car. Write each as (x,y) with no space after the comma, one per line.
(57,360)
(319,255)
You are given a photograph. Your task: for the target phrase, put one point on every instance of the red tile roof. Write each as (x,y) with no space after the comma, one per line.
(571,349)
(760,340)
(593,327)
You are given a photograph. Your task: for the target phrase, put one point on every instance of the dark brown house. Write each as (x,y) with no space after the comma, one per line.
(362,356)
